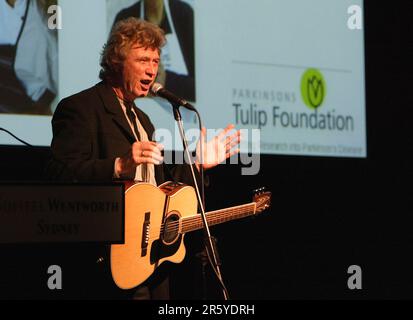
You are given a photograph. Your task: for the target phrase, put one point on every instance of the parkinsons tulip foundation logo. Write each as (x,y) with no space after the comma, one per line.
(313,88)
(313,92)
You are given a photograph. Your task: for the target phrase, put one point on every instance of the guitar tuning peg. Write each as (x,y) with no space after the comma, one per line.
(261,190)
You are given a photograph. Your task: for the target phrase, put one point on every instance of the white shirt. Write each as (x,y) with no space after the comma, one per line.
(36,54)
(146,171)
(11,20)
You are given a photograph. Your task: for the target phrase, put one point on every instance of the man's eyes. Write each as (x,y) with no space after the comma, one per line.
(147,61)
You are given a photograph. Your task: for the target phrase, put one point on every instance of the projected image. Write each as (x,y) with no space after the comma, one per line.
(28,58)
(176,18)
(286,69)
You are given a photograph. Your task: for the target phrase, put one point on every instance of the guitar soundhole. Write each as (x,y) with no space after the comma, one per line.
(171,228)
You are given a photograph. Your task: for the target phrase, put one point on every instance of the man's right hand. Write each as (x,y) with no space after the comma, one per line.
(140,152)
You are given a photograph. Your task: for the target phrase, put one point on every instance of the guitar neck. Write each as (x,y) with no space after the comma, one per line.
(192,223)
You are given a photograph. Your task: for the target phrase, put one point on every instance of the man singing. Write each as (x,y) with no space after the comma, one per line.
(99,135)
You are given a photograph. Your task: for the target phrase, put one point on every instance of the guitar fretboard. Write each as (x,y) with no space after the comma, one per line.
(195,222)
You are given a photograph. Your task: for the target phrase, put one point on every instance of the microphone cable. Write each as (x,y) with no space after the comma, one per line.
(17,138)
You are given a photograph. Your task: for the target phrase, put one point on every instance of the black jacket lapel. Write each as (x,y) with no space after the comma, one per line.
(113,107)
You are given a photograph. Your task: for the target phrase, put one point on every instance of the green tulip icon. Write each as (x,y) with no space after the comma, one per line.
(313,88)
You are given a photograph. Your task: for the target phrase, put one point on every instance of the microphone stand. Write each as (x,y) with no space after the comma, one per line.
(209,244)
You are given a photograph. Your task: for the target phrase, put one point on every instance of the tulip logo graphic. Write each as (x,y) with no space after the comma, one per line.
(313,88)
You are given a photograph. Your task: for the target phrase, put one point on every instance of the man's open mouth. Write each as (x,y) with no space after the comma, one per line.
(146,83)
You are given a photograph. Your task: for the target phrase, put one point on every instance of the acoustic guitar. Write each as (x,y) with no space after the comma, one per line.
(156,220)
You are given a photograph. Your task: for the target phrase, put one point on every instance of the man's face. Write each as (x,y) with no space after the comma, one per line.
(139,71)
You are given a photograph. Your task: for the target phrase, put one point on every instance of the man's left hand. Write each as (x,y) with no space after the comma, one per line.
(221,147)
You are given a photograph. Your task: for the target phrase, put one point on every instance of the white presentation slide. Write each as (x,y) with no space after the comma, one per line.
(290,73)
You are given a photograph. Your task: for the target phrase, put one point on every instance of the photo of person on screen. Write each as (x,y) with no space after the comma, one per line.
(28,58)
(176,19)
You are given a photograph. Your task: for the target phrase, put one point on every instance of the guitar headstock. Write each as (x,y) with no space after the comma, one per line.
(262,198)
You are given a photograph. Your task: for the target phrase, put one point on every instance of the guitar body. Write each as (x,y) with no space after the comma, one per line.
(147,209)
(156,220)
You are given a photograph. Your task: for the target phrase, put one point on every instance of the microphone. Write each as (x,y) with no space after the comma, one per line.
(158,90)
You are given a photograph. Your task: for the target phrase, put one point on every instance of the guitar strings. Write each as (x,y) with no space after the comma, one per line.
(192,222)
(196,222)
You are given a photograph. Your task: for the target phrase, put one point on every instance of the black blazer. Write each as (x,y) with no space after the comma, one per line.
(90,131)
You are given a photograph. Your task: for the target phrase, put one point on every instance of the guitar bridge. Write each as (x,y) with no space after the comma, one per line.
(145,234)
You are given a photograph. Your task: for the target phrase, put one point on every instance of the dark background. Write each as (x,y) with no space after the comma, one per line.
(327,213)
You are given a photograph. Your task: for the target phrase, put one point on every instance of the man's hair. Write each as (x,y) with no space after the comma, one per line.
(125,34)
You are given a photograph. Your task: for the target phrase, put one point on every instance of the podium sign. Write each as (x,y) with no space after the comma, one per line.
(40,213)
